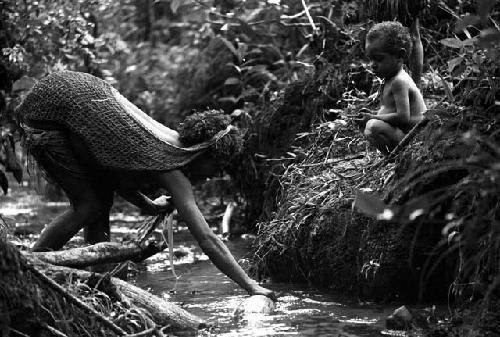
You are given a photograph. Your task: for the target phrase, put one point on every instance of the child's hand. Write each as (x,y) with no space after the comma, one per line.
(363,117)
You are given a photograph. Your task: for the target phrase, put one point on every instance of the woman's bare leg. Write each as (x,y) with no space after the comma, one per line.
(58,232)
(87,207)
(99,230)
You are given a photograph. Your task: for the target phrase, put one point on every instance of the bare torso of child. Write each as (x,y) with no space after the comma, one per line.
(416,100)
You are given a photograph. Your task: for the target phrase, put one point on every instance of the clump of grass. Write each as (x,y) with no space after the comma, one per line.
(314,235)
(450,176)
(99,293)
(28,305)
(439,189)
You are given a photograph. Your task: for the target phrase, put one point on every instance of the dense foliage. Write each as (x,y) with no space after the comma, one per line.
(279,69)
(438,218)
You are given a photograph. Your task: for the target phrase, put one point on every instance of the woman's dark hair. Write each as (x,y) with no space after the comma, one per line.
(204,126)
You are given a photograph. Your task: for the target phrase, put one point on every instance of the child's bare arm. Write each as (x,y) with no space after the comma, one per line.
(401,112)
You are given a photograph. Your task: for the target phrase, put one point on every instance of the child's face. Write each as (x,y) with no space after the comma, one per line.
(383,64)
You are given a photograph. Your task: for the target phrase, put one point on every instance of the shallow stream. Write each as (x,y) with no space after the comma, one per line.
(204,291)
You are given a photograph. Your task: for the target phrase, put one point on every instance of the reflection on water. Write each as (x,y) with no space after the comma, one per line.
(204,291)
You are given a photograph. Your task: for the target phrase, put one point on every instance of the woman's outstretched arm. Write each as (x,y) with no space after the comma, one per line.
(183,198)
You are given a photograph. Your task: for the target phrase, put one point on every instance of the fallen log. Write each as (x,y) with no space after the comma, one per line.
(161,312)
(100,253)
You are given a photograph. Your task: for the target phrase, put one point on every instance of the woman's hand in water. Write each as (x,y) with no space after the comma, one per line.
(258,290)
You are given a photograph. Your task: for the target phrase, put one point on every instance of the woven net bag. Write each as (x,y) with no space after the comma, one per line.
(116,132)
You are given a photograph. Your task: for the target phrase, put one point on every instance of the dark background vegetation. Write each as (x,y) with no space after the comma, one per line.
(278,75)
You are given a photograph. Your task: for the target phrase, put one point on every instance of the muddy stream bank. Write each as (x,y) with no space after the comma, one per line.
(201,289)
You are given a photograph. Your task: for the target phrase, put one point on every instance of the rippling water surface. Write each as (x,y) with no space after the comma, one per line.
(203,290)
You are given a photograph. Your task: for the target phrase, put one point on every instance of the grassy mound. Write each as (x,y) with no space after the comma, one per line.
(435,228)
(29,305)
(314,235)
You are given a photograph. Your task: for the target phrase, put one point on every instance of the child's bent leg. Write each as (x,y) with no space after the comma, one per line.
(382,135)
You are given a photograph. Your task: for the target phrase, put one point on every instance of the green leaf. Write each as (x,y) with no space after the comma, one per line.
(230,99)
(453,63)
(230,46)
(232,81)
(452,42)
(71,57)
(469,42)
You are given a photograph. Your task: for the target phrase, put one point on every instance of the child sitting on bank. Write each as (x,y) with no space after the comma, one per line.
(402,105)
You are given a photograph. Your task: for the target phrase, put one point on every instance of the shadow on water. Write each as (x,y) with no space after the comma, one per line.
(202,289)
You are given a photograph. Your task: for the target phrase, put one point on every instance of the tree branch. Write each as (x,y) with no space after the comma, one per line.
(311,22)
(72,299)
(103,252)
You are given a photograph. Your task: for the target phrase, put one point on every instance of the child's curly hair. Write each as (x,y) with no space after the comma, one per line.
(394,34)
(203,126)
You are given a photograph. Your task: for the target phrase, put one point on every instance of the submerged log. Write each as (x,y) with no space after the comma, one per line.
(162,312)
(100,253)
